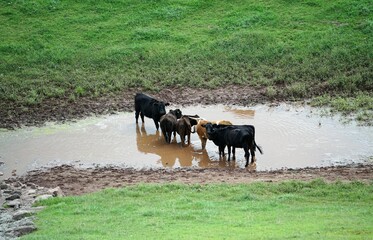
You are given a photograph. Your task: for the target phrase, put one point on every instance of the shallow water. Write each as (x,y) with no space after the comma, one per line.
(291,137)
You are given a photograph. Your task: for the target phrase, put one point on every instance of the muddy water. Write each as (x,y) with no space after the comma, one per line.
(291,137)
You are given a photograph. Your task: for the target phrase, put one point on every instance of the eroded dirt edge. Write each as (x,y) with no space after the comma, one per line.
(13,115)
(75,181)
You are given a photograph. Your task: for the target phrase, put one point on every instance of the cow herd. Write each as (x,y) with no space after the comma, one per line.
(222,133)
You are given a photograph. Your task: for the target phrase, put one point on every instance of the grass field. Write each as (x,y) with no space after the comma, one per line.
(293,49)
(313,210)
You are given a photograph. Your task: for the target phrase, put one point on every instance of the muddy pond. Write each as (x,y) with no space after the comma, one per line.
(291,137)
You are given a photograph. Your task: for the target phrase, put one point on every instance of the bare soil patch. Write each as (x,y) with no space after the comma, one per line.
(74,181)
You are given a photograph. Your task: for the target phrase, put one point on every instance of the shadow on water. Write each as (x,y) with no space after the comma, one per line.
(173,154)
(291,137)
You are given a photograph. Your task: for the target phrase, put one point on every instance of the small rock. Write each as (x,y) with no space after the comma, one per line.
(22,230)
(13,196)
(43,197)
(56,192)
(22,214)
(32,185)
(14,204)
(31,192)
(17,184)
(3,186)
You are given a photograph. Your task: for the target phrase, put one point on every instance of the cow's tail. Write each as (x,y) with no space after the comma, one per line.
(258,147)
(168,137)
(193,129)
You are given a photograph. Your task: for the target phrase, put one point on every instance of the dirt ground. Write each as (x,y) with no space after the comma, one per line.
(74,181)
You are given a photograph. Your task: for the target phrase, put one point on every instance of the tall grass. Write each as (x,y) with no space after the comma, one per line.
(53,48)
(300,210)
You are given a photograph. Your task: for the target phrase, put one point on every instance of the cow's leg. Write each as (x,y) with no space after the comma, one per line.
(252,151)
(203,143)
(247,155)
(155,122)
(142,117)
(188,139)
(137,113)
(219,148)
(229,153)
(169,135)
(234,153)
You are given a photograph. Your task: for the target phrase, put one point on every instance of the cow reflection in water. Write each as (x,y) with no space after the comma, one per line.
(169,153)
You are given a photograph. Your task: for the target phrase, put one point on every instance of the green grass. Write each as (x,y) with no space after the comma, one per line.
(360,106)
(301,210)
(70,49)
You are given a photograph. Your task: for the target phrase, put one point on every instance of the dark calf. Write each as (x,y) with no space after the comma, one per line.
(149,107)
(168,123)
(235,136)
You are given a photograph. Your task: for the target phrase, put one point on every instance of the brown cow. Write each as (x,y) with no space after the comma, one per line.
(168,124)
(184,128)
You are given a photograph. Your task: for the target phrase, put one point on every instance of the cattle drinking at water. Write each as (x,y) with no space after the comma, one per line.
(222,133)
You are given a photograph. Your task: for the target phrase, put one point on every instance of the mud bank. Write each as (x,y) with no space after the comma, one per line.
(14,115)
(74,181)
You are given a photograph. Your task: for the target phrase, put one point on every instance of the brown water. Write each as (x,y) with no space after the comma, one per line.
(291,137)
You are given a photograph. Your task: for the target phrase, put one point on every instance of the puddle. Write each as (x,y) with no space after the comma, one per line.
(291,137)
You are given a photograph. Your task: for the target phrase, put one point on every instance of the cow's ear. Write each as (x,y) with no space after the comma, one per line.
(193,121)
(167,104)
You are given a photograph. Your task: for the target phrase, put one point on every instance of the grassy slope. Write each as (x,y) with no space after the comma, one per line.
(294,49)
(255,211)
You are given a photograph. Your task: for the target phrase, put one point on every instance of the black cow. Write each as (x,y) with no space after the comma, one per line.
(149,107)
(168,123)
(236,136)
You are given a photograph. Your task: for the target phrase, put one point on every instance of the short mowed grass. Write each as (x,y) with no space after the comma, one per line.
(294,209)
(292,49)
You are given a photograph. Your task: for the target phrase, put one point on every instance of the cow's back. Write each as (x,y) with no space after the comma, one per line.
(141,99)
(145,104)
(237,136)
(183,126)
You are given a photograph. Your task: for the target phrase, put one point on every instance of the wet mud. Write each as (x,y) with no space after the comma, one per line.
(75,181)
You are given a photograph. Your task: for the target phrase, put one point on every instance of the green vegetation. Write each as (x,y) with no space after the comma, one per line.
(360,106)
(295,49)
(313,210)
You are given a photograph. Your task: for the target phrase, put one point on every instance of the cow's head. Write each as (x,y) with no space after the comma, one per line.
(177,113)
(193,121)
(160,107)
(210,129)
